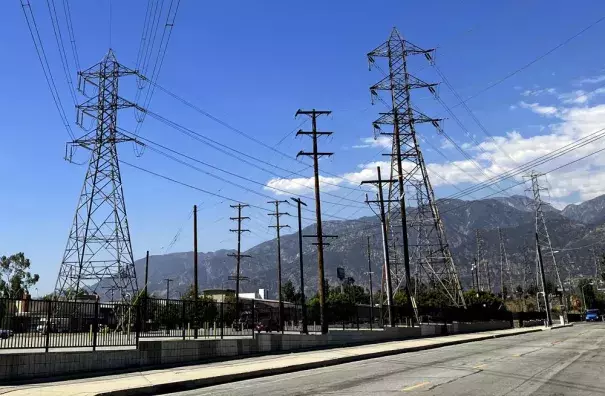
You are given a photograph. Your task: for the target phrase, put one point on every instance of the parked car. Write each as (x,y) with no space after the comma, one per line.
(4,334)
(592,315)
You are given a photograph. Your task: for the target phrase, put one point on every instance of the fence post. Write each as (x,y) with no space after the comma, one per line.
(183,302)
(137,324)
(222,323)
(253,318)
(47,326)
(95,326)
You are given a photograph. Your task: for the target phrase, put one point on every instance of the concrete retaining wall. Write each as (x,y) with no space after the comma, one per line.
(458,328)
(24,366)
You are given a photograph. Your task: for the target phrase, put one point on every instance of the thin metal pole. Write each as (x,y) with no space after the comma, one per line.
(548,317)
(371,287)
(146,272)
(300,260)
(386,252)
(195,277)
(279,286)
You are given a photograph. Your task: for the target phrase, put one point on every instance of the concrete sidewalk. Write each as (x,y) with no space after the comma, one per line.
(151,382)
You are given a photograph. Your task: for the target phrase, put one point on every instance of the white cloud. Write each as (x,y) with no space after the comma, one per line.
(580,96)
(538,92)
(538,109)
(301,185)
(591,80)
(570,121)
(378,142)
(446,144)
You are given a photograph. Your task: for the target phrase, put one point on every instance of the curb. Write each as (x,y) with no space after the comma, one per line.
(223,379)
(559,326)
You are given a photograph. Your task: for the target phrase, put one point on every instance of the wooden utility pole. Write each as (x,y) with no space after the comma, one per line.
(278,227)
(316,154)
(371,287)
(238,256)
(300,260)
(195,278)
(382,215)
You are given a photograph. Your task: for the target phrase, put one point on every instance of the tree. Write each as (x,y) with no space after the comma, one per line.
(482,299)
(532,290)
(16,278)
(189,294)
(289,292)
(588,291)
(400,298)
(349,281)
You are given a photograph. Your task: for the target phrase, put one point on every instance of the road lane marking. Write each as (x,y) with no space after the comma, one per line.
(409,388)
(516,355)
(480,366)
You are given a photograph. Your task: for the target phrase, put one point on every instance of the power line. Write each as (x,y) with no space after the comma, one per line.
(35,35)
(213,143)
(537,161)
(146,56)
(143,41)
(212,193)
(224,171)
(228,126)
(522,182)
(227,172)
(159,60)
(70,32)
(62,53)
(565,42)
(470,112)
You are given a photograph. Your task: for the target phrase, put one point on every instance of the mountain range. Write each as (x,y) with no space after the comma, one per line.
(572,230)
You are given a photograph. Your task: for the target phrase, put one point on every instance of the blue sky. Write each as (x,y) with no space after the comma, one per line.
(253,64)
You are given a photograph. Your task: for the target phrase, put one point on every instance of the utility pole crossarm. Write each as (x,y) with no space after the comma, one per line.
(312,112)
(313,154)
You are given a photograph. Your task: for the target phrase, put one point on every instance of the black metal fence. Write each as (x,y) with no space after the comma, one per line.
(42,324)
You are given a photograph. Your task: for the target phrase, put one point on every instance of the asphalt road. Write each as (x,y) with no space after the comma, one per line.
(569,361)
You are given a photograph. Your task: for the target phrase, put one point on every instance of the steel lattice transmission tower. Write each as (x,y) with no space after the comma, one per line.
(407,166)
(548,254)
(484,279)
(99,249)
